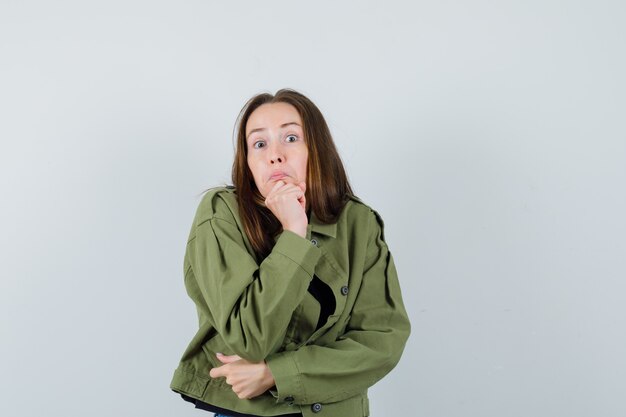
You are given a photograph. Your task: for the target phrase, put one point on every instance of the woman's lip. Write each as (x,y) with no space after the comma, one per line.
(278,175)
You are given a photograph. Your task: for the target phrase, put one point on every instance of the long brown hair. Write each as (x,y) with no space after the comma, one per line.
(327,186)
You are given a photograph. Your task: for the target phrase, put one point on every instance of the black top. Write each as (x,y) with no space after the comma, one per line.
(322,293)
(200,405)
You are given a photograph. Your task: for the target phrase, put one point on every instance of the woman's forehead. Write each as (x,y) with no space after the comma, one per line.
(273,116)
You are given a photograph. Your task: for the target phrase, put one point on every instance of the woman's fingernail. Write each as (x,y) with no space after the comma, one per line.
(218,353)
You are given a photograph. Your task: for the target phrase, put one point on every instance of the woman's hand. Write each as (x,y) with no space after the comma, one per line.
(287,202)
(247,379)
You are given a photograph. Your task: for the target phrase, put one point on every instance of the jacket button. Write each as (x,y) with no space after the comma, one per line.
(314,241)
(344,290)
(289,399)
(316,408)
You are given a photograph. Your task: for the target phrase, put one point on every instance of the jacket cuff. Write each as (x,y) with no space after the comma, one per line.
(286,377)
(299,250)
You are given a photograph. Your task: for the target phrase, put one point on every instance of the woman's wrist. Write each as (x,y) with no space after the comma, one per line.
(268,377)
(299,230)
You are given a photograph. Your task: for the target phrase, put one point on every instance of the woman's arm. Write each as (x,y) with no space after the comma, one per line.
(250,305)
(369,349)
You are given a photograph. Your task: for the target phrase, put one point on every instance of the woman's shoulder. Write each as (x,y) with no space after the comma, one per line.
(362,213)
(217,202)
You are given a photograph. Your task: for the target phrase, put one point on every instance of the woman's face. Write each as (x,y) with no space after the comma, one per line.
(276,147)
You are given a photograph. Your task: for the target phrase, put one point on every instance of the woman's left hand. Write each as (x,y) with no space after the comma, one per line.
(247,379)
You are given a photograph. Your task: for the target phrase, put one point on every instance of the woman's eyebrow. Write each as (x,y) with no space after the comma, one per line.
(259,129)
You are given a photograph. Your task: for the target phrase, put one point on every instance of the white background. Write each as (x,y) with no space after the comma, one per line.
(489,135)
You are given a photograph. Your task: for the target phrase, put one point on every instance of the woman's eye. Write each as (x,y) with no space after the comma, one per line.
(258,144)
(292,136)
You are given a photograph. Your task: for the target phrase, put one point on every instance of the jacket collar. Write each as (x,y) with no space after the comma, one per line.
(325,229)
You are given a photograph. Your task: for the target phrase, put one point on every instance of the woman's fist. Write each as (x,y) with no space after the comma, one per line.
(247,379)
(288,203)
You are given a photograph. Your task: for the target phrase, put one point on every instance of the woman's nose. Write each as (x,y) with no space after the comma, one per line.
(276,155)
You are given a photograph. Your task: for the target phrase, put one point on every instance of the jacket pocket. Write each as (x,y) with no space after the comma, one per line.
(323,331)
(344,325)
(337,331)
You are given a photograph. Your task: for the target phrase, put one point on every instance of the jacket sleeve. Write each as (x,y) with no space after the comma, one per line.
(250,304)
(369,349)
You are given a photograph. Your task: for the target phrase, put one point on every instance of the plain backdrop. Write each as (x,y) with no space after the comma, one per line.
(490,135)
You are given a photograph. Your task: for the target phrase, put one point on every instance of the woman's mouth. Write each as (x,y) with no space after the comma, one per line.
(277,176)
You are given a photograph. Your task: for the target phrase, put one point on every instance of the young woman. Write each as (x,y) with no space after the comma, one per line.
(297,295)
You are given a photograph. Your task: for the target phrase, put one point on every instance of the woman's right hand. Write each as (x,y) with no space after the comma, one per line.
(287,202)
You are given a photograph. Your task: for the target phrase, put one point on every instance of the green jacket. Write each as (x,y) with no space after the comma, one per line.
(263,311)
